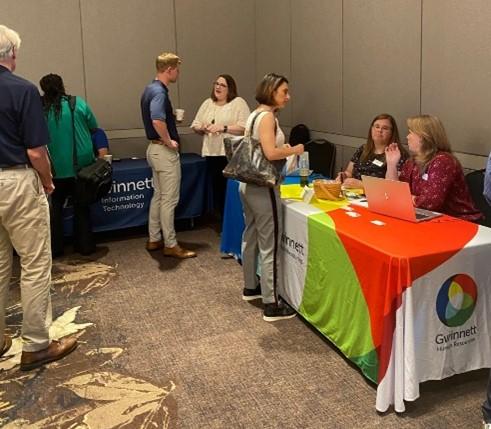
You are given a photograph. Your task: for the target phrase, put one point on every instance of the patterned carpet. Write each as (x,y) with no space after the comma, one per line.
(170,344)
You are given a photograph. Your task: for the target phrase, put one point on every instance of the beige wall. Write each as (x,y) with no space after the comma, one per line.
(51,39)
(456,72)
(213,37)
(381,61)
(347,60)
(119,54)
(273,43)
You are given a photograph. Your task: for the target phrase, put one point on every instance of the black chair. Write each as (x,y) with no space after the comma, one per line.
(322,157)
(300,133)
(475,182)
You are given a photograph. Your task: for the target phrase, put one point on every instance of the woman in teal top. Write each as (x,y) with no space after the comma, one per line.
(61,149)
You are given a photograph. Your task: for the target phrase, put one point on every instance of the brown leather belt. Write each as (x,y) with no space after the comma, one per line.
(157,142)
(15,167)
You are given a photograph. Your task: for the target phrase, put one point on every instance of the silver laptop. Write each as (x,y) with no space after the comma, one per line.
(393,198)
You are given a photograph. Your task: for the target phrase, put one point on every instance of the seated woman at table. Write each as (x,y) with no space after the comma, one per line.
(369,159)
(435,176)
(262,205)
(221,115)
(61,149)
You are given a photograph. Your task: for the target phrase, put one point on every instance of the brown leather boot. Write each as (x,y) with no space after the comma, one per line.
(154,245)
(178,252)
(56,350)
(7,342)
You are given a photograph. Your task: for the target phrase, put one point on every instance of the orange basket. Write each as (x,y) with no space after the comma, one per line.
(327,189)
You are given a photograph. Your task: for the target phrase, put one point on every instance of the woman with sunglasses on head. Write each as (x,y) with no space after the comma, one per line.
(262,205)
(369,159)
(435,176)
(223,114)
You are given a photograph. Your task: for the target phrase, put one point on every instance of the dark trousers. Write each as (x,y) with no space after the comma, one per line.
(83,238)
(215,165)
(486,407)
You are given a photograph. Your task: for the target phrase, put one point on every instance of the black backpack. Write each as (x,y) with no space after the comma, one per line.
(94,181)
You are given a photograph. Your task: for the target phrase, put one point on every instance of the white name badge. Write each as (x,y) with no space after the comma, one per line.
(377,162)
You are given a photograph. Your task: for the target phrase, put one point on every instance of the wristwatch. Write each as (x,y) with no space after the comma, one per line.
(225,128)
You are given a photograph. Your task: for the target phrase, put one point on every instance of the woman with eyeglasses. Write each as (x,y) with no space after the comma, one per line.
(435,176)
(262,205)
(221,115)
(369,159)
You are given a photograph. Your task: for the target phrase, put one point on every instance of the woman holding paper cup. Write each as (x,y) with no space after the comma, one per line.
(262,205)
(65,132)
(369,159)
(221,115)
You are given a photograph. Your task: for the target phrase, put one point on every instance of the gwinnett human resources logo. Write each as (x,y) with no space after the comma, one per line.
(456,300)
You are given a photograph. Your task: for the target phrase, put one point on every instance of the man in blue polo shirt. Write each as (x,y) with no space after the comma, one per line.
(25,179)
(163,156)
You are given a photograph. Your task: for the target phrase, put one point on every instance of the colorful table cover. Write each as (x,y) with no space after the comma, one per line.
(405,302)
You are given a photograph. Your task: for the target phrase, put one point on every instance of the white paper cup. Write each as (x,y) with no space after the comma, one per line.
(108,158)
(179,114)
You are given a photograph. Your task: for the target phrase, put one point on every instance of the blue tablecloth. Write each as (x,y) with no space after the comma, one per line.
(233,221)
(233,217)
(128,202)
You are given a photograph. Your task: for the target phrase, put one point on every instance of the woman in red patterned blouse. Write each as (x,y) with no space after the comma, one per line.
(434,175)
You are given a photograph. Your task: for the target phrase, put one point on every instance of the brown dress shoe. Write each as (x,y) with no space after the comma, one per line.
(178,252)
(154,245)
(7,342)
(56,350)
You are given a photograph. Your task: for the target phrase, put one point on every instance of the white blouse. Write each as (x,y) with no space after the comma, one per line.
(233,113)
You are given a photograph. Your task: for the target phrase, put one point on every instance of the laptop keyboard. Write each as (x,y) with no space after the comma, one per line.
(423,214)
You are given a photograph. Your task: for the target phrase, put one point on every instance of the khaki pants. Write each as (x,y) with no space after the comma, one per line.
(24,223)
(166,173)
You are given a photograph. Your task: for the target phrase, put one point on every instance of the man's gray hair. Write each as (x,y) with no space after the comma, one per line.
(9,39)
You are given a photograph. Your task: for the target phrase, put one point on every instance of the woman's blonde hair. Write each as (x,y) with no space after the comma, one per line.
(433,135)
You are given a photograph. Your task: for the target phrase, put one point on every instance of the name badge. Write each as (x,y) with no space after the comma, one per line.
(377,162)
(425,176)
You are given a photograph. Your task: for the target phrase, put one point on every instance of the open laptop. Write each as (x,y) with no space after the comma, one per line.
(393,198)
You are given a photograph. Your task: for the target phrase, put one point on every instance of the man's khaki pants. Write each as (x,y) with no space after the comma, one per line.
(24,223)
(166,173)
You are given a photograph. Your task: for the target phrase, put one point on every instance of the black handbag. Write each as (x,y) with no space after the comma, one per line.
(247,162)
(95,180)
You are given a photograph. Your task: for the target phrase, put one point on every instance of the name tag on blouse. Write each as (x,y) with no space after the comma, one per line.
(377,162)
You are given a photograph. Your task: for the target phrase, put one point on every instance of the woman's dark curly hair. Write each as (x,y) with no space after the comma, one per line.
(54,90)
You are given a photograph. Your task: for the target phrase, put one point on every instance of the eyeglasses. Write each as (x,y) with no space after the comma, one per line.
(384,128)
(220,84)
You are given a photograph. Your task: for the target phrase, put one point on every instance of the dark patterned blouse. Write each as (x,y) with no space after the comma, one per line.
(441,187)
(374,166)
